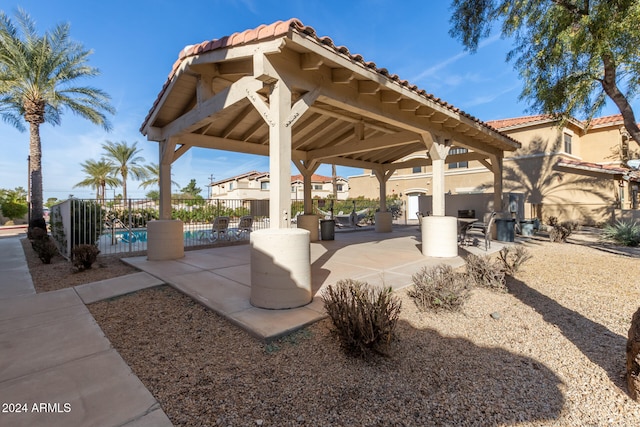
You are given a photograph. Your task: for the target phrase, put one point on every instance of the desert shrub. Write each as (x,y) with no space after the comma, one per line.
(485,272)
(512,258)
(364,317)
(560,230)
(439,288)
(42,244)
(623,232)
(84,256)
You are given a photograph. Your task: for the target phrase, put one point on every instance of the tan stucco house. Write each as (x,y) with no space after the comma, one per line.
(574,172)
(255,185)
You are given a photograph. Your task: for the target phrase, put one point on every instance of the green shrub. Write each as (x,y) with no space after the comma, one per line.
(84,256)
(364,317)
(439,288)
(42,244)
(623,232)
(14,210)
(485,272)
(512,258)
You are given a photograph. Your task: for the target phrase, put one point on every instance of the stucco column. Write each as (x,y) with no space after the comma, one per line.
(497,169)
(383,218)
(280,156)
(438,153)
(308,220)
(166,148)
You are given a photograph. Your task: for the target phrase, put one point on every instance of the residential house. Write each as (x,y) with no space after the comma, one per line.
(574,172)
(255,186)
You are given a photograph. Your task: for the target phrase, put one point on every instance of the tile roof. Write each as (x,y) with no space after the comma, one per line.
(595,167)
(314,178)
(606,120)
(518,121)
(281,28)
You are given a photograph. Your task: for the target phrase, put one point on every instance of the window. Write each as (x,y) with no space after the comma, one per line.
(264,185)
(416,169)
(339,187)
(317,186)
(567,143)
(231,185)
(458,165)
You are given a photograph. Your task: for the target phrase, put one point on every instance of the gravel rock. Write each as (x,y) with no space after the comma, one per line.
(555,358)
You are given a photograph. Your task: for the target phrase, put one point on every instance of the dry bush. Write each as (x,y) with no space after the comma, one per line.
(439,288)
(84,256)
(485,272)
(512,258)
(561,230)
(42,244)
(364,317)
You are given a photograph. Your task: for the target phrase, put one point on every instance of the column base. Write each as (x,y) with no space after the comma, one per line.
(310,223)
(165,240)
(384,221)
(280,268)
(440,236)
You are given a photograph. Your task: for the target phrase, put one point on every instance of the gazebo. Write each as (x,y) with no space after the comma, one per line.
(282,91)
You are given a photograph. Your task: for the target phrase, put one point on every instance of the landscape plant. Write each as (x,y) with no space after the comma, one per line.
(84,256)
(42,244)
(626,233)
(439,288)
(364,317)
(512,258)
(560,231)
(485,272)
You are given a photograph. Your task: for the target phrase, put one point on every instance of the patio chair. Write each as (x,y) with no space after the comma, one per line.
(245,227)
(485,227)
(219,229)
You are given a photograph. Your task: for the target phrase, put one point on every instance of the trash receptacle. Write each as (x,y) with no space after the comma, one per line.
(527,227)
(505,229)
(327,229)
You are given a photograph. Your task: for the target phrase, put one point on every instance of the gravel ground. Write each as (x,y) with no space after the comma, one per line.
(553,354)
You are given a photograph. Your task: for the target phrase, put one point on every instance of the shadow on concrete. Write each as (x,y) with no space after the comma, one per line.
(603,347)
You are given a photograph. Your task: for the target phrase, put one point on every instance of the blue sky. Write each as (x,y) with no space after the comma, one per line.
(136,42)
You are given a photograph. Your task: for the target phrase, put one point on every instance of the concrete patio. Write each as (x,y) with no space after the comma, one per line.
(220,278)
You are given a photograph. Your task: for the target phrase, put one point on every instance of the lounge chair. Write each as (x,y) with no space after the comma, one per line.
(485,227)
(219,229)
(245,227)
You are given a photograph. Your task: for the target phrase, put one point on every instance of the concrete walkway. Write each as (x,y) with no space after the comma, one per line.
(220,278)
(57,368)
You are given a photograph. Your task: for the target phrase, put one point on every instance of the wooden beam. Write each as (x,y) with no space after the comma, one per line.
(341,76)
(226,144)
(386,141)
(368,87)
(311,61)
(390,97)
(194,119)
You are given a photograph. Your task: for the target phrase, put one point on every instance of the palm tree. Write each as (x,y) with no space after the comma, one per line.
(126,161)
(38,76)
(98,177)
(153,176)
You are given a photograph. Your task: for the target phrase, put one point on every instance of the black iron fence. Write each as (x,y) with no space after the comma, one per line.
(116,226)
